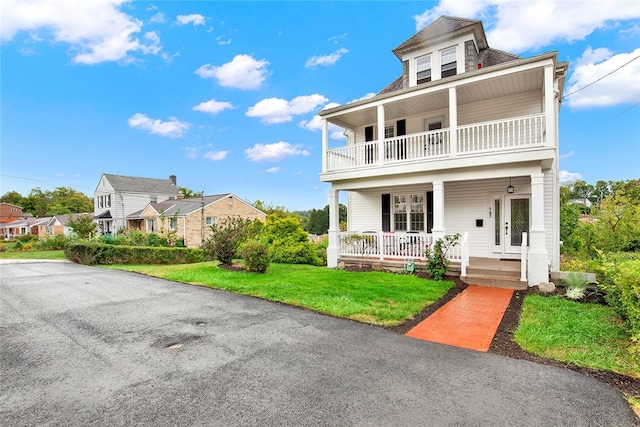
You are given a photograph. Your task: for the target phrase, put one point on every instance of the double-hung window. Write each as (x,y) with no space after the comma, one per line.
(151,225)
(448,62)
(423,69)
(409,212)
(173,224)
(210,220)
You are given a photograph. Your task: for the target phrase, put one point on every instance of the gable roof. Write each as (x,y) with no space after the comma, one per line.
(134,184)
(445,26)
(184,207)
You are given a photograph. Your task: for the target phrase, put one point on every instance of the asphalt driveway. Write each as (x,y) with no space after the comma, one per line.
(88,346)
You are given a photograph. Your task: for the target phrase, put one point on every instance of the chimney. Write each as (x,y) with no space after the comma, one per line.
(172,178)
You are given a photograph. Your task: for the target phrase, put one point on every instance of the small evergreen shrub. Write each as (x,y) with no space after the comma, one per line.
(26,238)
(256,256)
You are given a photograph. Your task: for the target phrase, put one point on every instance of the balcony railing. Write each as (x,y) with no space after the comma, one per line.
(495,136)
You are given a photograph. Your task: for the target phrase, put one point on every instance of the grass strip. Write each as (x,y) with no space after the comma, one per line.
(587,335)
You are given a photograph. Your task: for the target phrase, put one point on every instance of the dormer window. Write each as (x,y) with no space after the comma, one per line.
(448,62)
(423,67)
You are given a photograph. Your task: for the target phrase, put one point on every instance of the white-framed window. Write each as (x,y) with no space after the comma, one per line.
(173,224)
(448,62)
(150,225)
(423,69)
(409,212)
(389,131)
(108,201)
(101,201)
(210,220)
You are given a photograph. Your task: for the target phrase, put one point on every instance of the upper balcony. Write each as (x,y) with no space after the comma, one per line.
(500,136)
(499,115)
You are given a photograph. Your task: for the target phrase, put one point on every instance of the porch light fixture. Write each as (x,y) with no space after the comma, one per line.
(510,188)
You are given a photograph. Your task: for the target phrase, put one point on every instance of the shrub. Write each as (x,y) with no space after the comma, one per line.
(437,262)
(137,238)
(621,282)
(52,243)
(26,238)
(226,238)
(92,253)
(256,256)
(27,246)
(321,251)
(83,225)
(288,242)
(576,284)
(3,248)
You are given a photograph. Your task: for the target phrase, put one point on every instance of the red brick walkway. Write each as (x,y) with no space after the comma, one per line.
(469,320)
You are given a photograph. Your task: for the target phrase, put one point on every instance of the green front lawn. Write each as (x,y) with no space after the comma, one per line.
(587,335)
(371,297)
(32,255)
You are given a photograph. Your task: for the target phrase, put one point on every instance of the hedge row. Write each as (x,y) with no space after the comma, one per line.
(89,253)
(622,284)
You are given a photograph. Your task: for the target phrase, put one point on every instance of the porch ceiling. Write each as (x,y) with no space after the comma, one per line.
(433,98)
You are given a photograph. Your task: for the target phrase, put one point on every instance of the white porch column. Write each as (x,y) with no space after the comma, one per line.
(538,254)
(453,122)
(438,230)
(549,107)
(333,249)
(325,144)
(380,134)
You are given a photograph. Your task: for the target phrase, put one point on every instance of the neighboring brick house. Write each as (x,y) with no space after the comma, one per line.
(9,212)
(27,225)
(57,225)
(191,219)
(464,141)
(117,196)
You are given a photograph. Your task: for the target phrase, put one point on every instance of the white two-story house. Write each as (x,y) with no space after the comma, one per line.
(117,196)
(465,141)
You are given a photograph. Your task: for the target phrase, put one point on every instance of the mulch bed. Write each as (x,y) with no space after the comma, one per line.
(504,345)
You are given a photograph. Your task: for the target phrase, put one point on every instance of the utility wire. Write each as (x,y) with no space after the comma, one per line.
(596,81)
(619,114)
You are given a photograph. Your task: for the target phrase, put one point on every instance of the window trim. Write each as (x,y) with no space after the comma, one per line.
(418,70)
(443,64)
(408,212)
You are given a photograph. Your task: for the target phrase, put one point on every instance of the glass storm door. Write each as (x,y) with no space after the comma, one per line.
(516,222)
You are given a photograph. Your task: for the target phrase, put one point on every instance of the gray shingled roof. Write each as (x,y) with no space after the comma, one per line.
(183,206)
(441,27)
(136,184)
(489,57)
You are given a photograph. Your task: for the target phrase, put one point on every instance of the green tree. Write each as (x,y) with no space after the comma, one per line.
(618,224)
(13,198)
(190,194)
(569,219)
(83,225)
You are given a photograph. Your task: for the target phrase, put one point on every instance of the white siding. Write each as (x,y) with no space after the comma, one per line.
(549,214)
(522,104)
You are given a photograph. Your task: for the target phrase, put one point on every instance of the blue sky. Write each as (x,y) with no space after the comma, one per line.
(225,95)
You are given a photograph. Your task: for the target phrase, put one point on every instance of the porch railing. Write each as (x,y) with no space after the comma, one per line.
(383,245)
(494,136)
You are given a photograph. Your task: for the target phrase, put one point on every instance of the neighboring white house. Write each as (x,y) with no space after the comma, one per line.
(464,141)
(118,196)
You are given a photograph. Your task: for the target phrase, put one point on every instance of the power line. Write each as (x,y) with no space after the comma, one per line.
(619,114)
(596,81)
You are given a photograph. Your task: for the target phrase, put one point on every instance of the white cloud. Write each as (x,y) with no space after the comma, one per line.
(315,124)
(173,128)
(327,59)
(278,110)
(243,72)
(194,18)
(518,26)
(566,176)
(213,106)
(274,169)
(96,30)
(274,152)
(567,155)
(222,42)
(192,152)
(618,88)
(216,155)
(158,18)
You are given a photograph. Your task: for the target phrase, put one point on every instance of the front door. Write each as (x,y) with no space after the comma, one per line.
(511,218)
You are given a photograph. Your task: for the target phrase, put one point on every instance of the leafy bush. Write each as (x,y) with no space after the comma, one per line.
(321,250)
(437,262)
(256,256)
(26,238)
(52,243)
(621,282)
(83,225)
(226,238)
(92,253)
(137,238)
(27,246)
(3,248)
(288,242)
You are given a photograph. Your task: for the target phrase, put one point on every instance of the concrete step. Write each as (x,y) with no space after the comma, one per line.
(494,271)
(494,281)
